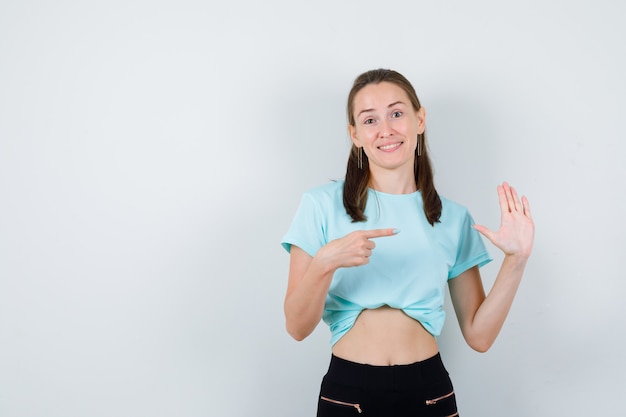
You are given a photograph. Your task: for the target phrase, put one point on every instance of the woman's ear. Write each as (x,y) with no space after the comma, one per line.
(353,136)
(421,120)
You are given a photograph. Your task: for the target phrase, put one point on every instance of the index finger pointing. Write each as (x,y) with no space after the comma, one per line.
(370,234)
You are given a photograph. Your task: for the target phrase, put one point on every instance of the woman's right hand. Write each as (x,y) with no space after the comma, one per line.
(354,249)
(310,278)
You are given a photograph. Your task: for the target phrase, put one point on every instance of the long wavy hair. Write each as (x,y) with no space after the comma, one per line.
(357,179)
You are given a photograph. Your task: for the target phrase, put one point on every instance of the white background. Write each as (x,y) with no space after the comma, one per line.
(152,154)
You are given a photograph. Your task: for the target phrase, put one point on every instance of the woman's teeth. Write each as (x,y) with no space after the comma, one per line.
(388,147)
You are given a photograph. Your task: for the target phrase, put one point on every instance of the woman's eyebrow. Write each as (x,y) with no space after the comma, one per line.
(396,103)
(391,105)
(364,111)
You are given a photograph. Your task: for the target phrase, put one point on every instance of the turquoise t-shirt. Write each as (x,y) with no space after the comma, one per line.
(407,271)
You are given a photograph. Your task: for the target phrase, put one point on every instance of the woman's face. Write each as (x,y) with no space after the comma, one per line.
(386,126)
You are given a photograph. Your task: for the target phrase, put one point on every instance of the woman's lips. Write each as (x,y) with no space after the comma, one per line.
(390,147)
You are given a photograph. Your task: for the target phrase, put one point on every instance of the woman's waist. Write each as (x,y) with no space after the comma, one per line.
(386,336)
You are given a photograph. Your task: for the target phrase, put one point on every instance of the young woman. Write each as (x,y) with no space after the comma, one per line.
(371,255)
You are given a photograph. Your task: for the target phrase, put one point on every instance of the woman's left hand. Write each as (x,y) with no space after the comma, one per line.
(517,229)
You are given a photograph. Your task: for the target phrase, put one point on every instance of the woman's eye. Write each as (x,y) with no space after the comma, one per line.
(368,121)
(396,114)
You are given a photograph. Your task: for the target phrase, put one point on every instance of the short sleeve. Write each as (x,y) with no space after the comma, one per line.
(307,229)
(471,250)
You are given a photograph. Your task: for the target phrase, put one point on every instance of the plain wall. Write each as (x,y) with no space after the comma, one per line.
(153,153)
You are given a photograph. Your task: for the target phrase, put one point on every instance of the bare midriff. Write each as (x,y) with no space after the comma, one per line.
(386,336)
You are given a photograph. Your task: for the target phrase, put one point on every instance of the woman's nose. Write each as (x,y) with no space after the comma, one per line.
(385,129)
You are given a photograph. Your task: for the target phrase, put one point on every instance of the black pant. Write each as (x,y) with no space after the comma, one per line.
(421,389)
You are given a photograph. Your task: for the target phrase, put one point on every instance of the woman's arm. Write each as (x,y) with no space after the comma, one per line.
(306,291)
(310,277)
(481,317)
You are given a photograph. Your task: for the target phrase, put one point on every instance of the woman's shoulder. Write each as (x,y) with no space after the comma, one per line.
(451,208)
(327,192)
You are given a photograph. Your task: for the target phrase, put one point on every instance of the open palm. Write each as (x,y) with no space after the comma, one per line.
(517,229)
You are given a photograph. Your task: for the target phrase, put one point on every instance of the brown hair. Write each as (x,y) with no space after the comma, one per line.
(356,184)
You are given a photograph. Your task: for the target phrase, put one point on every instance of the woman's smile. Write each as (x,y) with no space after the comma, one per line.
(390,147)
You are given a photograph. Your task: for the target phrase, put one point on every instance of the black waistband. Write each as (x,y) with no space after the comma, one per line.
(342,371)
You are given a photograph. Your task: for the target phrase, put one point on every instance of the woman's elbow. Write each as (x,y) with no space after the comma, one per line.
(480,345)
(297,329)
(296,333)
(480,348)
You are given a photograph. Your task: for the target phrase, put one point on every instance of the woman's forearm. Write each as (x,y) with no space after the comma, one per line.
(304,305)
(494,309)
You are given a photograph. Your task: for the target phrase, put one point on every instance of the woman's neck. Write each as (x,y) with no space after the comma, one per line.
(392,182)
